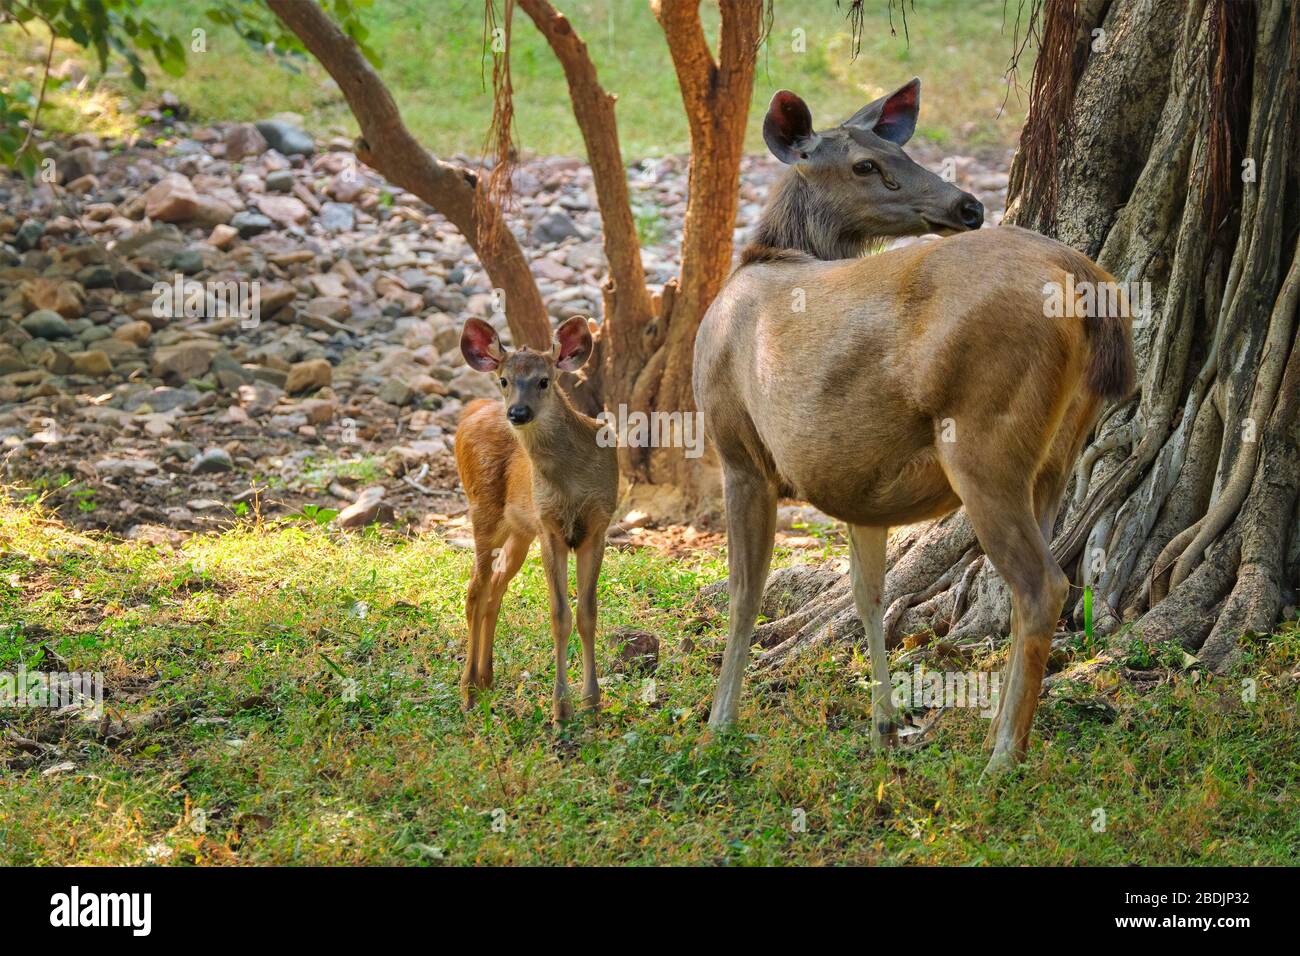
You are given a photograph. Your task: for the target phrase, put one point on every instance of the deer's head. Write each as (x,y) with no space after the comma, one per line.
(859,182)
(527,377)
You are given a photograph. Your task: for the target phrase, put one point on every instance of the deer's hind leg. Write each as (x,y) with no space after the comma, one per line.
(476,599)
(1054,475)
(506,561)
(997,496)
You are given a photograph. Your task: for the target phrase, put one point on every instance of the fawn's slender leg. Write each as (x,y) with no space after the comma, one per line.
(867,563)
(555,559)
(505,565)
(589,556)
(471,679)
(751,532)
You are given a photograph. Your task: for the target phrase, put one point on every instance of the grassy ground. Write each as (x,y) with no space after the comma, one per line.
(432,55)
(243,647)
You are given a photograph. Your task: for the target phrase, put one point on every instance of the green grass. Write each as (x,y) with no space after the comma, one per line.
(432,61)
(313,683)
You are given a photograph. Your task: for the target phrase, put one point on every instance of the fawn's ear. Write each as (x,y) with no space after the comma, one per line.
(787,128)
(572,344)
(891,117)
(481,346)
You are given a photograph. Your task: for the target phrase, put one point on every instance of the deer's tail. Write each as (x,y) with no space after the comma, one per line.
(1108,327)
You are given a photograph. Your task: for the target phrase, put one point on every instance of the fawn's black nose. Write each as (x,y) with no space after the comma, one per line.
(971,211)
(519,414)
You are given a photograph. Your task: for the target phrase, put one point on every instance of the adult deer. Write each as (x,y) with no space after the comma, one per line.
(895,388)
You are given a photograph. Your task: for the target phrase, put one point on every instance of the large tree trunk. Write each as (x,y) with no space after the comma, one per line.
(716,95)
(647,341)
(1167,147)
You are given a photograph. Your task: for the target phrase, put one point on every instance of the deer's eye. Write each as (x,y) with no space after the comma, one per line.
(542,383)
(504,383)
(864,167)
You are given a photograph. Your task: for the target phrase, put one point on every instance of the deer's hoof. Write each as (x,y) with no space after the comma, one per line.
(1000,764)
(884,733)
(562,710)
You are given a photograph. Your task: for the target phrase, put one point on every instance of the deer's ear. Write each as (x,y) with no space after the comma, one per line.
(891,117)
(787,128)
(572,344)
(481,346)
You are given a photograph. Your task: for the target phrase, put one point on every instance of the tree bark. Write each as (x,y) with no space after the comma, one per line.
(387,146)
(1170,153)
(716,96)
(647,342)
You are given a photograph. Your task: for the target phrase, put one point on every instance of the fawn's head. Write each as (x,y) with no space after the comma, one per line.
(527,377)
(853,182)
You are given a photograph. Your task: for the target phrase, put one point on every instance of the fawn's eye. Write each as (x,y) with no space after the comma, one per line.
(504,383)
(542,384)
(864,167)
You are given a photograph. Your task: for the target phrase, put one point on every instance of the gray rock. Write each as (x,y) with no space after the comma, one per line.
(337,217)
(187,261)
(250,223)
(46,324)
(76,163)
(122,467)
(555,226)
(29,234)
(212,460)
(286,139)
(132,280)
(396,392)
(162,399)
(280,181)
(98,276)
(184,360)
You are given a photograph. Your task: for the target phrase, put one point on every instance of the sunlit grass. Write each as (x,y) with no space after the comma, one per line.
(432,55)
(318,673)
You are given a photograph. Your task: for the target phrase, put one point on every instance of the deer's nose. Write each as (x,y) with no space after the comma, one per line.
(971,212)
(519,414)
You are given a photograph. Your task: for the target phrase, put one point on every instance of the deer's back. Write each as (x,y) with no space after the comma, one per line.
(838,374)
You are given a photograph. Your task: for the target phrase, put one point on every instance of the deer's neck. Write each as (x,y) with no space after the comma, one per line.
(560,441)
(797,220)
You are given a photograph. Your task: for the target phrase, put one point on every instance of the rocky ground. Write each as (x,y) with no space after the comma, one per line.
(153,416)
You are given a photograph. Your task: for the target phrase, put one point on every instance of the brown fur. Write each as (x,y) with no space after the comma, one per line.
(851,403)
(548,478)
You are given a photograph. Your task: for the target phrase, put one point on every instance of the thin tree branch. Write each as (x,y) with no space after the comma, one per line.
(388,146)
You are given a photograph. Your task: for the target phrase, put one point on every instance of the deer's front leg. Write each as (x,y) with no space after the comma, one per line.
(751,532)
(867,561)
(555,560)
(589,555)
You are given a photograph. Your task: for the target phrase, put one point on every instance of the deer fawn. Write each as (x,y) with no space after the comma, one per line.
(908,384)
(531,466)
